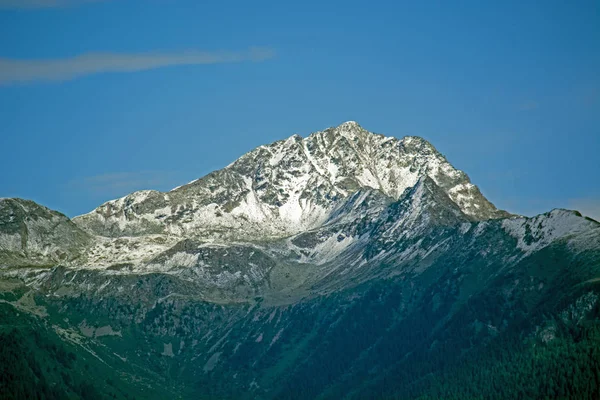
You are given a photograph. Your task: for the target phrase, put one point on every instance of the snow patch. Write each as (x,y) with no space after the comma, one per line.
(535,233)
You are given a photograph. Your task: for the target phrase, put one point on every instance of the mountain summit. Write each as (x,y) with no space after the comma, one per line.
(287,187)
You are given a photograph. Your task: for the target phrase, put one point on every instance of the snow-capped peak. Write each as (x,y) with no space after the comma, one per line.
(289,186)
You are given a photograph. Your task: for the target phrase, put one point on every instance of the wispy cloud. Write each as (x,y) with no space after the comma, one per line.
(529,106)
(121,183)
(62,69)
(32,4)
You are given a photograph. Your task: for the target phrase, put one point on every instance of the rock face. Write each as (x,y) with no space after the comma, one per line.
(288,187)
(31,234)
(342,265)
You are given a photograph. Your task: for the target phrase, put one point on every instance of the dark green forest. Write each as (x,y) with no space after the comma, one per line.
(36,363)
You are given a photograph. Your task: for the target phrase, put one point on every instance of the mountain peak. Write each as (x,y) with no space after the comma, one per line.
(290,186)
(351,130)
(349,126)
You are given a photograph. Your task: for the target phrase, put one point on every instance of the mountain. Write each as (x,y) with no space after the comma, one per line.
(288,187)
(31,234)
(341,265)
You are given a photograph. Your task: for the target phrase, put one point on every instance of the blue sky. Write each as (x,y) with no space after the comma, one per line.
(101,98)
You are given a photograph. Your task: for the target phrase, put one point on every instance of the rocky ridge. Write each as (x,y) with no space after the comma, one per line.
(288,187)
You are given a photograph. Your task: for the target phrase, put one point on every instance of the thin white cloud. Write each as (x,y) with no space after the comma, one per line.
(122,183)
(63,69)
(32,4)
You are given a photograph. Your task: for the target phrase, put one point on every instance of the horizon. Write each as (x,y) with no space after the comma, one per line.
(304,136)
(514,215)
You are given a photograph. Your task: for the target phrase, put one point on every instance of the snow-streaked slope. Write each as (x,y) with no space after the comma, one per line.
(367,235)
(338,200)
(538,232)
(288,187)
